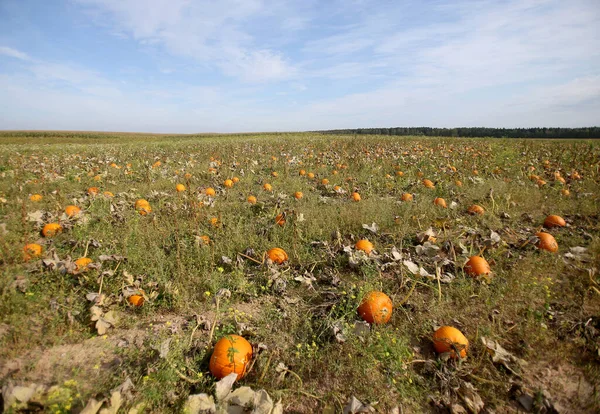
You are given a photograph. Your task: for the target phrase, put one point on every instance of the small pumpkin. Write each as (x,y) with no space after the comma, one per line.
(180,188)
(82,263)
(267,187)
(476,209)
(324,181)
(51,229)
(376,308)
(93,191)
(210,192)
(565,192)
(440,202)
(108,194)
(298,195)
(310,175)
(280,219)
(399,173)
(428,183)
(450,339)
(407,197)
(251,199)
(231,354)
(72,211)
(31,250)
(274,174)
(214,221)
(364,245)
(277,255)
(554,221)
(235,180)
(547,242)
(36,197)
(355,196)
(302,172)
(458,183)
(187,176)
(136,300)
(228,183)
(143,207)
(476,266)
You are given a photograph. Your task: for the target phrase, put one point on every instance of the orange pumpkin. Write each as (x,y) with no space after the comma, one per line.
(280,219)
(228,183)
(310,175)
(210,192)
(428,183)
(143,207)
(31,250)
(277,255)
(554,221)
(235,180)
(51,229)
(298,195)
(355,196)
(108,194)
(458,183)
(476,209)
(399,173)
(156,164)
(450,339)
(302,172)
(547,242)
(71,211)
(565,192)
(180,188)
(214,221)
(93,191)
(251,199)
(82,263)
(324,181)
(364,245)
(187,176)
(267,187)
(376,307)
(476,266)
(274,174)
(136,300)
(407,197)
(231,354)
(36,197)
(440,202)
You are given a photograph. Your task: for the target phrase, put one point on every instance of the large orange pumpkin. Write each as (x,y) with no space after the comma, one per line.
(136,300)
(376,307)
(231,354)
(31,250)
(72,210)
(51,229)
(554,221)
(364,245)
(547,242)
(475,209)
(476,266)
(277,255)
(450,339)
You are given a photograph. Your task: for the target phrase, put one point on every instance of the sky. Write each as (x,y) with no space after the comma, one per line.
(187,66)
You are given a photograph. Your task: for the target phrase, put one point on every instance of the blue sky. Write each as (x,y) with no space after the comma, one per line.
(262,65)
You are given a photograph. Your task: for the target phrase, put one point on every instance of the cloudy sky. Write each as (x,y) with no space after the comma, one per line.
(262,65)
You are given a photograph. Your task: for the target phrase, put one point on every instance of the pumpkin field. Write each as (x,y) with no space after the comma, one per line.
(298,273)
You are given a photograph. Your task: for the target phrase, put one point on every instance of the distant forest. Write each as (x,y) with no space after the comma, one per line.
(591,132)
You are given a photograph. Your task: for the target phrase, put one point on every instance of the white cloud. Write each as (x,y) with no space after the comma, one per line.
(9,51)
(212,33)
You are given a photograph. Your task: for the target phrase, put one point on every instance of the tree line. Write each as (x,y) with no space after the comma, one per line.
(588,132)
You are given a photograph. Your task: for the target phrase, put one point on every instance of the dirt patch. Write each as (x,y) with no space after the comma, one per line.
(565,385)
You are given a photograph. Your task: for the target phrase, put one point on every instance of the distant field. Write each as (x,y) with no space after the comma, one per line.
(196,264)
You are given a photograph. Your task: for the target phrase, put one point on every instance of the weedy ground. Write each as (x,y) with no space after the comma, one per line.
(543,308)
